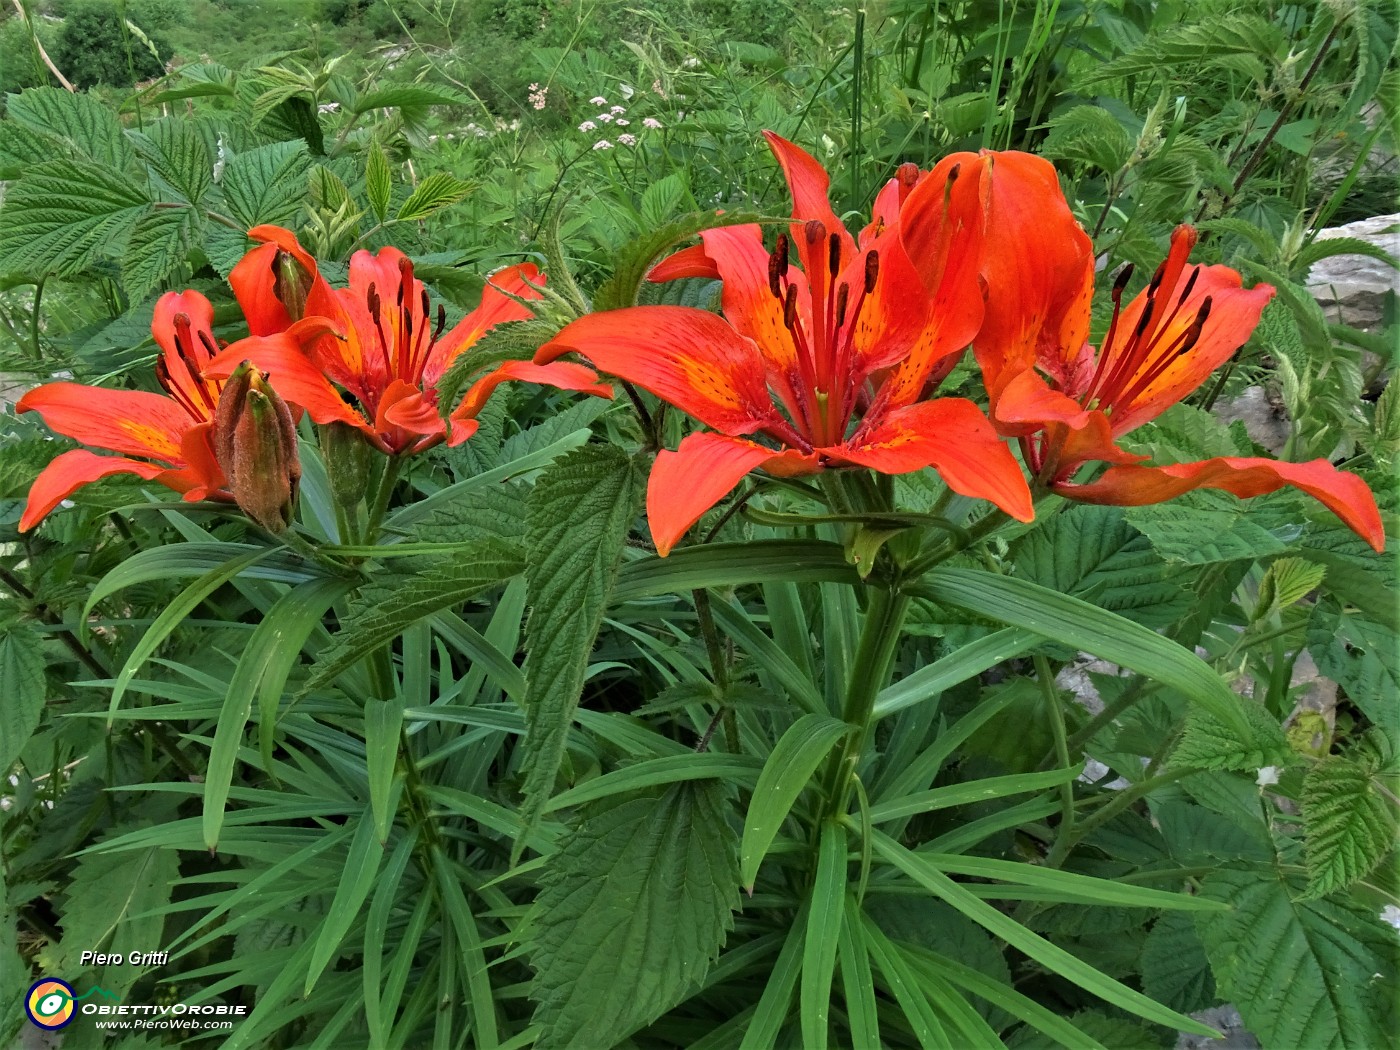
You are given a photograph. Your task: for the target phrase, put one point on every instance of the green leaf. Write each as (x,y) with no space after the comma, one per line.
(158,244)
(356,879)
(824,919)
(1093,553)
(393,601)
(637,900)
(179,155)
(786,773)
(509,341)
(971,791)
(1348,822)
(1070,621)
(1288,581)
(1304,973)
(64,214)
(1175,970)
(662,198)
(22,688)
(379,186)
(732,564)
(1089,135)
(1113,1033)
(383,722)
(964,662)
(1359,655)
(106,909)
(396,95)
(1204,527)
(1210,744)
(654,772)
(576,524)
(631,265)
(267,184)
(88,128)
(435,192)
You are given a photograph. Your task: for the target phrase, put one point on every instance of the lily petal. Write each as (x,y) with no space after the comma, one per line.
(688,262)
(809,184)
(686,483)
(70,472)
(1345,495)
(688,357)
(495,308)
(565,375)
(951,435)
(134,422)
(297,379)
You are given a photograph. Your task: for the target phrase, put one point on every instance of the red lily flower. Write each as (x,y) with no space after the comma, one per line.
(1069,405)
(378,340)
(829,363)
(170,432)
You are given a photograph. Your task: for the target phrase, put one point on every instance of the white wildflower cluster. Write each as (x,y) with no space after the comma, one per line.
(616,116)
(539,96)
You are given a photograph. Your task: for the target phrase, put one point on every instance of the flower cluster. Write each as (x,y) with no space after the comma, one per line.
(539,96)
(613,116)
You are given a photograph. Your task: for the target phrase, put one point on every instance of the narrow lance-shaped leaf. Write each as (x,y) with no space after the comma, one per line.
(576,523)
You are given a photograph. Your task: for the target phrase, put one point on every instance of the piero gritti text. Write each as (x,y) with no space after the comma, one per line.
(129,959)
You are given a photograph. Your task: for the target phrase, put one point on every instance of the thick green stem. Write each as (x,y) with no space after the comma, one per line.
(871,667)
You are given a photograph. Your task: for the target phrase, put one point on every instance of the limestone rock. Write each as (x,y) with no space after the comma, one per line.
(1352,288)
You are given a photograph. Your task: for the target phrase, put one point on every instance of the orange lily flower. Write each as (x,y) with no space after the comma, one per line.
(171,432)
(1069,405)
(378,340)
(828,364)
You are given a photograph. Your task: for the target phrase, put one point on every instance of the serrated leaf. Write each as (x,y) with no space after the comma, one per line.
(488,513)
(1202,528)
(1175,970)
(1348,822)
(1359,655)
(107,898)
(379,185)
(89,129)
(62,215)
(384,610)
(1288,581)
(638,898)
(435,192)
(178,153)
(1090,135)
(1208,743)
(1315,974)
(662,198)
(633,262)
(408,95)
(21,689)
(576,524)
(157,245)
(1093,553)
(266,185)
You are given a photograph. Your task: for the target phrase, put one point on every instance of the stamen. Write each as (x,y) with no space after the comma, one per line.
(834,255)
(1121,282)
(208,343)
(441,318)
(1156,281)
(841,299)
(872,270)
(790,308)
(814,230)
(1190,283)
(907,175)
(372,301)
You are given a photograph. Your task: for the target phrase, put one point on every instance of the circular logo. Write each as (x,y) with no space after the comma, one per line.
(50,1003)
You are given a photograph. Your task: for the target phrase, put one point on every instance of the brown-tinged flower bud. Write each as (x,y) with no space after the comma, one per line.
(255,442)
(291,281)
(347,456)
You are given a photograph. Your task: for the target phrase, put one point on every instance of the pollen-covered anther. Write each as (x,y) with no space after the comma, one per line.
(790,308)
(833,255)
(872,270)
(1120,283)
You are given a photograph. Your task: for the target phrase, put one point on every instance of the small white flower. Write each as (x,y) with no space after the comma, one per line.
(1390,915)
(602,144)
(627,140)
(1268,775)
(597,100)
(622,123)
(651,122)
(587,126)
(606,118)
(618,109)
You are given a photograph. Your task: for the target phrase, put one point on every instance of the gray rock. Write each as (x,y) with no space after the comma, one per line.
(1265,420)
(1352,288)
(1227,1020)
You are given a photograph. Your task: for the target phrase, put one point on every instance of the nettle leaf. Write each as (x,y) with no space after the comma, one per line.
(435,192)
(1205,527)
(393,601)
(637,901)
(1089,135)
(106,908)
(409,95)
(633,262)
(488,513)
(1288,581)
(266,184)
(576,524)
(379,185)
(1359,655)
(180,156)
(79,119)
(1209,743)
(1304,973)
(64,214)
(662,198)
(1348,822)
(21,689)
(1093,553)
(1175,970)
(157,245)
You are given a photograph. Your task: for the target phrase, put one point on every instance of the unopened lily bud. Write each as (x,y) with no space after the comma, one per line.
(255,442)
(291,281)
(347,457)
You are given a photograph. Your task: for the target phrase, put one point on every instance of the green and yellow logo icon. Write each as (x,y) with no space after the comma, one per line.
(50,1003)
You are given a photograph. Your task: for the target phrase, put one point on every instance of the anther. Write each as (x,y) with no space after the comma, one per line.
(1156,281)
(953,173)
(208,343)
(424,300)
(1190,283)
(842,297)
(833,255)
(872,270)
(790,308)
(1121,282)
(442,318)
(372,301)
